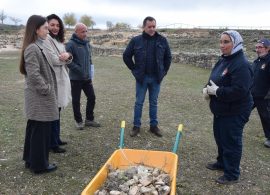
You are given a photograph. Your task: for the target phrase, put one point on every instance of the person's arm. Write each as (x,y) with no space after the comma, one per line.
(128,54)
(32,67)
(167,57)
(72,66)
(241,79)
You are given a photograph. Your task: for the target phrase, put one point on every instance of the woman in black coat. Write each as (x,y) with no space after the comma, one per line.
(231,103)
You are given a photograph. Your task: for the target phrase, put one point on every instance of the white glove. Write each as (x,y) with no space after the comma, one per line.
(212,89)
(205,95)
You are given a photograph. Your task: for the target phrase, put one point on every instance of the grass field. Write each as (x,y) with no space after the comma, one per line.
(180,101)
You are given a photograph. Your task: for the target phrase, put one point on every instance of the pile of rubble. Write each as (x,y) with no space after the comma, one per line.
(136,180)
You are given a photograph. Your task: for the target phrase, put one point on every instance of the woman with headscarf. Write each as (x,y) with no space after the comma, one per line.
(231,103)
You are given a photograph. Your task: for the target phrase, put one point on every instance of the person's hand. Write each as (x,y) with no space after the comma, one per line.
(64,56)
(212,88)
(205,95)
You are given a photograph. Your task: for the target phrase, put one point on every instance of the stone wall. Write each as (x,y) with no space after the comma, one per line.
(197,59)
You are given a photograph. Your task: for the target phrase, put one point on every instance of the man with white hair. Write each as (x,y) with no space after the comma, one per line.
(80,77)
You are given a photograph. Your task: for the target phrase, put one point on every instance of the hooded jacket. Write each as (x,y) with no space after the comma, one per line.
(79,68)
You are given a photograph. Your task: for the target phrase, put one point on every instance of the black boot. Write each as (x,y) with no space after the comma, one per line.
(156,131)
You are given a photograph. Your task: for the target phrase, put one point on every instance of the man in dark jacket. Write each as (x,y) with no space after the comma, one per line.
(152,59)
(261,86)
(80,78)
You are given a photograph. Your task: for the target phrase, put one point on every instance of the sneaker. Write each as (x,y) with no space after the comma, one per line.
(156,131)
(267,143)
(225,181)
(57,149)
(79,125)
(214,166)
(134,131)
(91,123)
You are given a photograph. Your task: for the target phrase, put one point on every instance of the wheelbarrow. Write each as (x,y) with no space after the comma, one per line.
(124,158)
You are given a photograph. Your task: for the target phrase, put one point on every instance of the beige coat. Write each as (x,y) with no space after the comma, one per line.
(63,83)
(40,84)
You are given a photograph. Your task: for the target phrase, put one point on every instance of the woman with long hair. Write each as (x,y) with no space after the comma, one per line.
(40,95)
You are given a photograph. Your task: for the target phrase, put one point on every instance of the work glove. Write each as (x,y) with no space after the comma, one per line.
(212,88)
(205,95)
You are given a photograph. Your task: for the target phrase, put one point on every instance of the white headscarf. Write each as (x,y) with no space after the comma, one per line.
(236,39)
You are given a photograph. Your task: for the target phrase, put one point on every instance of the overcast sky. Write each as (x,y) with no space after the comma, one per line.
(167,12)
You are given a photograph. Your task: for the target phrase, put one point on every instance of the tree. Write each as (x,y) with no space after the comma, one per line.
(15,20)
(69,19)
(3,16)
(109,25)
(88,21)
(122,26)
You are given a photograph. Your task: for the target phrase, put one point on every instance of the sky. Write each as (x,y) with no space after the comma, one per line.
(168,13)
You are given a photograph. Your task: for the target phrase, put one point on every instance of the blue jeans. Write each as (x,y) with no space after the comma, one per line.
(151,84)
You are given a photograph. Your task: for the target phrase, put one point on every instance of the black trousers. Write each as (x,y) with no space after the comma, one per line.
(263,107)
(36,145)
(55,133)
(88,89)
(228,132)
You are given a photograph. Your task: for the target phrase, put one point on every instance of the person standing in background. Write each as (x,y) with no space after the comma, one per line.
(40,95)
(261,86)
(231,104)
(59,58)
(80,77)
(152,60)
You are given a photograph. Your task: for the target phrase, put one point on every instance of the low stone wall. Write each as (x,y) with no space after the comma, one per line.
(198,59)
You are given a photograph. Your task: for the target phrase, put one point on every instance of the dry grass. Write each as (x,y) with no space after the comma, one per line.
(180,102)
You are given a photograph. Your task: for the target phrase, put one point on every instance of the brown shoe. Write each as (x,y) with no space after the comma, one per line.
(134,131)
(156,131)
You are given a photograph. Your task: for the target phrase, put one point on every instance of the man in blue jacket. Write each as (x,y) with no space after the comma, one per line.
(261,86)
(152,59)
(80,78)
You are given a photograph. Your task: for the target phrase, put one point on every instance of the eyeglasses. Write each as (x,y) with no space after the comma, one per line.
(259,47)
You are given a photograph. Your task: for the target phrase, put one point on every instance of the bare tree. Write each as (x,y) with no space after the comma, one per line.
(88,21)
(69,19)
(3,16)
(15,20)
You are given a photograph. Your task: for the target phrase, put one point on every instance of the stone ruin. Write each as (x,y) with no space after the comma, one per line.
(199,47)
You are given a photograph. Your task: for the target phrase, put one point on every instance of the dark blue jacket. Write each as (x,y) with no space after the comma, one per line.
(261,84)
(137,49)
(79,68)
(233,74)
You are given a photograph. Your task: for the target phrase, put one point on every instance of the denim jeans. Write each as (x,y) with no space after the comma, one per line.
(151,84)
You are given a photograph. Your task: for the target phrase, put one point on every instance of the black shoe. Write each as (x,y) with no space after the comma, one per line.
(27,165)
(156,131)
(214,166)
(225,181)
(61,143)
(50,168)
(58,150)
(134,131)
